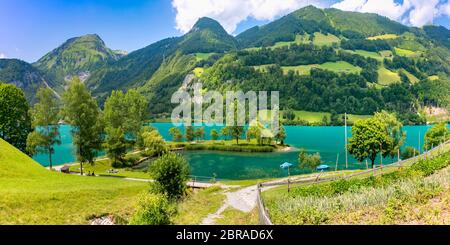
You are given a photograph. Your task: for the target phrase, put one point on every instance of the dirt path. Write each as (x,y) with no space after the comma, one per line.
(243,200)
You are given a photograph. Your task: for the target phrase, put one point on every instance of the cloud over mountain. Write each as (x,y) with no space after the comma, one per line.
(3,56)
(232,12)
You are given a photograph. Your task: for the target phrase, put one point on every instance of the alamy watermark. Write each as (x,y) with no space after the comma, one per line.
(234,108)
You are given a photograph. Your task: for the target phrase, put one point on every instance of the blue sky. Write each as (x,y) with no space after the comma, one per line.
(29,28)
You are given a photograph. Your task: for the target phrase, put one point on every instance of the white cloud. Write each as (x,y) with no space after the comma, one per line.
(3,56)
(232,12)
(411,12)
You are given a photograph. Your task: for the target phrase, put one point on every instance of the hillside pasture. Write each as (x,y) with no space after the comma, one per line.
(338,67)
(325,40)
(387,77)
(33,195)
(383,37)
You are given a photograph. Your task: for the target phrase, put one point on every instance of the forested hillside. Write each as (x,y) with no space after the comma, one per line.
(323,60)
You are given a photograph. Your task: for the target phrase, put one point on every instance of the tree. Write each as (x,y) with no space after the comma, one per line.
(44,116)
(394,129)
(436,136)
(409,152)
(289,115)
(81,111)
(281,135)
(189,133)
(225,132)
(308,160)
(370,137)
(115,146)
(15,122)
(214,134)
(115,116)
(154,143)
(176,134)
(153,209)
(200,133)
(136,106)
(171,173)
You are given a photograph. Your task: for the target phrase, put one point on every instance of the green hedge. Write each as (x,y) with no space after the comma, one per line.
(422,168)
(234,148)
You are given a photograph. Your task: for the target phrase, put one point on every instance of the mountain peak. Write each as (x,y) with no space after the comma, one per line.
(76,57)
(206,23)
(89,38)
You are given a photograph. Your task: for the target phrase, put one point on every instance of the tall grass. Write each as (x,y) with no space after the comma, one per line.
(321,204)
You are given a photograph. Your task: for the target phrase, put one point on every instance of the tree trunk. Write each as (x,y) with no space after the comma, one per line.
(50,159)
(81,168)
(237,141)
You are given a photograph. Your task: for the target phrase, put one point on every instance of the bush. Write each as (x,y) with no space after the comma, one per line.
(409,152)
(170,172)
(153,209)
(422,168)
(233,148)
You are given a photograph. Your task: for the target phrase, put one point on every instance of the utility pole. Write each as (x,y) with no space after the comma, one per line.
(419,144)
(381,157)
(346,143)
(337,160)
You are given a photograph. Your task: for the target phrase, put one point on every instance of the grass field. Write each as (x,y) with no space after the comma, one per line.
(198,205)
(338,67)
(203,56)
(316,117)
(433,78)
(30,194)
(413,79)
(384,37)
(367,54)
(387,54)
(198,72)
(399,197)
(299,39)
(386,77)
(101,167)
(262,68)
(406,52)
(325,40)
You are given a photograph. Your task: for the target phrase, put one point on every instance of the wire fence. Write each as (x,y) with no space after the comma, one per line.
(264,218)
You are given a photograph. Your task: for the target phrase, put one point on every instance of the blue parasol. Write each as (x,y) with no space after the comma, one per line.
(323,167)
(286,165)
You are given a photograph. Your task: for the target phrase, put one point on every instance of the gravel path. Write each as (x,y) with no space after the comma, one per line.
(243,200)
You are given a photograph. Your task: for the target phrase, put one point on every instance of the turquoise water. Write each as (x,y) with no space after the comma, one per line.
(329,141)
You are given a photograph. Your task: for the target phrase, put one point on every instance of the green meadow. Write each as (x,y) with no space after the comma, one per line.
(33,195)
(386,77)
(338,67)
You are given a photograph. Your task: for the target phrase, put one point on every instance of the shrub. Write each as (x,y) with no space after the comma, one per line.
(409,152)
(153,209)
(422,168)
(170,172)
(233,148)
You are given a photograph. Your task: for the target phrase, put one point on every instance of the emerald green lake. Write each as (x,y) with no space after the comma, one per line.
(329,141)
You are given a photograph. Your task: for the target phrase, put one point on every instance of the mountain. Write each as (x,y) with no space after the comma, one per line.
(324,60)
(207,36)
(311,19)
(163,64)
(24,76)
(76,57)
(133,70)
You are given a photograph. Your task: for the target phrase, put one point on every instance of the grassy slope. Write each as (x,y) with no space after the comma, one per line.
(338,67)
(369,205)
(33,195)
(383,37)
(316,117)
(386,77)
